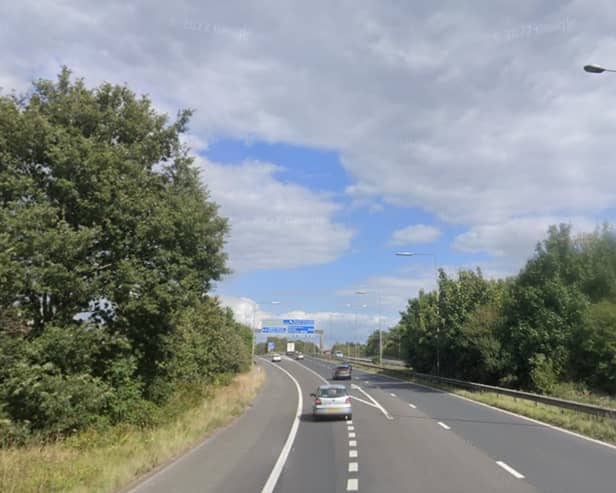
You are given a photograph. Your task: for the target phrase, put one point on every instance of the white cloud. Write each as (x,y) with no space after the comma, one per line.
(273,224)
(440,107)
(515,239)
(417,233)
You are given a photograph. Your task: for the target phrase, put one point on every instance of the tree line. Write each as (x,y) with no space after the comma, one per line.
(109,245)
(552,324)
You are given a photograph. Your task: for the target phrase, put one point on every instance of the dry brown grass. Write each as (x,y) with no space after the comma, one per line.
(104,462)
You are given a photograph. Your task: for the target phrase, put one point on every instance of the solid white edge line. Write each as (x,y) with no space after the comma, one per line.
(412,405)
(510,469)
(352,484)
(353,467)
(286,449)
(443,425)
(504,411)
(381,408)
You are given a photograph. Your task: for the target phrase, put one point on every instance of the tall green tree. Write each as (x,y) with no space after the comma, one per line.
(545,305)
(102,211)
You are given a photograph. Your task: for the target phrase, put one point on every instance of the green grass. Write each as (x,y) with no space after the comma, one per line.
(597,427)
(97,461)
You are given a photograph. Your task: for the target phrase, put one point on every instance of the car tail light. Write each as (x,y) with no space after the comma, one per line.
(348,400)
(317,401)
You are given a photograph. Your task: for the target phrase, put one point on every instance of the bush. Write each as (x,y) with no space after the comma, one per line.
(48,401)
(593,351)
(542,374)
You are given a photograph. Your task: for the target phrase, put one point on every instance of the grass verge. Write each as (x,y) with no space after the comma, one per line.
(104,461)
(597,427)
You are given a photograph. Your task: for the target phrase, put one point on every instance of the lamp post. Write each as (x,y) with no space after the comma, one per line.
(438,317)
(597,69)
(362,292)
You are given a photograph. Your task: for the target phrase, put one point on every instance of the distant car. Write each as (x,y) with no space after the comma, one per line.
(332,400)
(299,355)
(343,372)
(276,358)
(338,354)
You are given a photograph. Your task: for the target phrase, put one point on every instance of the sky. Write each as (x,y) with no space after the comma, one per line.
(333,134)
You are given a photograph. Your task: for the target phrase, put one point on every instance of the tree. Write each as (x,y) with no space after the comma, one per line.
(544,306)
(109,245)
(593,351)
(102,212)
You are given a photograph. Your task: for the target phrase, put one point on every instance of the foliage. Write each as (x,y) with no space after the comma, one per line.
(594,347)
(109,245)
(554,323)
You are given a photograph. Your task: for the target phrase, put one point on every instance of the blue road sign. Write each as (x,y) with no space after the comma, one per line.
(297,321)
(301,329)
(270,346)
(273,330)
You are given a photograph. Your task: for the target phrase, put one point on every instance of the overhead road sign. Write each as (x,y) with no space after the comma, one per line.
(273,330)
(297,321)
(301,329)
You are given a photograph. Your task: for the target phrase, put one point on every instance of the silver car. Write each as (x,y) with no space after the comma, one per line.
(331,400)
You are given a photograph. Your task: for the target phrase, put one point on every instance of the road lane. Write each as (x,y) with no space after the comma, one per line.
(406,454)
(549,459)
(319,458)
(238,458)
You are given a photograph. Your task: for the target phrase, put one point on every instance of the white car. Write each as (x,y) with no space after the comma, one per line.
(338,354)
(331,400)
(276,358)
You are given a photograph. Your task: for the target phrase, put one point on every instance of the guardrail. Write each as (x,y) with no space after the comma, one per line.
(544,399)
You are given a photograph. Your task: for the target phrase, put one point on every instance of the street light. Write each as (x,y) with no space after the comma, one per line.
(362,292)
(255,304)
(597,69)
(438,317)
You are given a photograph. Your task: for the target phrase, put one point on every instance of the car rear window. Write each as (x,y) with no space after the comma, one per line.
(332,392)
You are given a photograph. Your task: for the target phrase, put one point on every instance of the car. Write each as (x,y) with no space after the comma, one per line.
(338,354)
(331,400)
(342,371)
(299,355)
(276,358)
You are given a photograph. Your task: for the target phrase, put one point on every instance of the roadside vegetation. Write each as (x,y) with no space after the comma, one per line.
(551,329)
(109,246)
(102,460)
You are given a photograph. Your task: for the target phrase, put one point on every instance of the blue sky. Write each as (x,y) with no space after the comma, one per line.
(333,134)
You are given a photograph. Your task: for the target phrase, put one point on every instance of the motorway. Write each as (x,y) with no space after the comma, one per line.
(403,437)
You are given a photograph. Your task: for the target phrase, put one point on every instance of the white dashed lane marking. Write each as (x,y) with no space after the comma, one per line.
(443,425)
(351,434)
(353,454)
(412,405)
(352,484)
(510,470)
(352,443)
(353,467)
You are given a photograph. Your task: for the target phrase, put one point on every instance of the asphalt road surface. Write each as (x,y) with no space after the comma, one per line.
(402,438)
